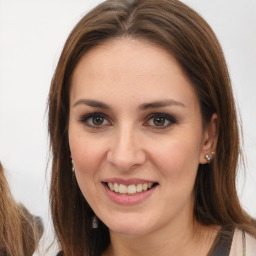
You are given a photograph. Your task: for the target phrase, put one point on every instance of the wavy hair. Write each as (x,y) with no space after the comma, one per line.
(19,230)
(186,35)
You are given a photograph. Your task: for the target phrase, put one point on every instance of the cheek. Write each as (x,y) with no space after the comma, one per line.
(177,157)
(86,156)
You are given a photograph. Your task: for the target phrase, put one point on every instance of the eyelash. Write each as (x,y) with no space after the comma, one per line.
(170,119)
(86,118)
(166,117)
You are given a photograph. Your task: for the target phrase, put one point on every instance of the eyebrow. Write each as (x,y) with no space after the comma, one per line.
(160,104)
(144,106)
(91,103)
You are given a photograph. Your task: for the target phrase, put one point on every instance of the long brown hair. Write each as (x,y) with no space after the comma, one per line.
(19,230)
(176,27)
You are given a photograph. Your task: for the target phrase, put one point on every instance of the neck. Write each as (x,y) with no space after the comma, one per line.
(178,240)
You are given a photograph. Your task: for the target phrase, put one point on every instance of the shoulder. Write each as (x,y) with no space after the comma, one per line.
(243,244)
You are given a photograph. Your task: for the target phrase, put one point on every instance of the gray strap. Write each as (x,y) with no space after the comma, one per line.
(222,243)
(244,243)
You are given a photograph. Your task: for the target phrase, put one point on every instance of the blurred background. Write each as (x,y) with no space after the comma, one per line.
(32,34)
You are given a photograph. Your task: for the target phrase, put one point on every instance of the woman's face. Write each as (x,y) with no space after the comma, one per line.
(136,136)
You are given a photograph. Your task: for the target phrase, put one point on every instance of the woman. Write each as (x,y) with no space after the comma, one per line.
(19,230)
(144,136)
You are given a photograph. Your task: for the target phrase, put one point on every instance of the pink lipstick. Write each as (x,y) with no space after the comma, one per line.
(129,192)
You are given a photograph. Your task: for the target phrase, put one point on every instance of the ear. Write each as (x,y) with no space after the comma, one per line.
(210,139)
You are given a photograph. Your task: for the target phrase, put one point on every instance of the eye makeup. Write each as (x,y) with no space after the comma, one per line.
(160,120)
(95,120)
(154,120)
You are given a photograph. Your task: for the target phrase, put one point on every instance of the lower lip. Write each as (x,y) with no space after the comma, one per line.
(126,199)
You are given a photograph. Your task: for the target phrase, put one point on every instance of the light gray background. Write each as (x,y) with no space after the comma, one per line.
(32,34)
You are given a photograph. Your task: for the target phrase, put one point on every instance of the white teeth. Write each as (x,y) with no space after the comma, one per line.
(116,188)
(139,187)
(111,186)
(145,186)
(122,189)
(131,189)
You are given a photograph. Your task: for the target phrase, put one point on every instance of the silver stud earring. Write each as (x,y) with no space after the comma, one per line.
(209,157)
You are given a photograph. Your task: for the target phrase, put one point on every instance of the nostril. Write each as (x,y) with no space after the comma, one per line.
(125,161)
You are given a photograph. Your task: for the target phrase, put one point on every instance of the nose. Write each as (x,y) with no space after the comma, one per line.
(126,151)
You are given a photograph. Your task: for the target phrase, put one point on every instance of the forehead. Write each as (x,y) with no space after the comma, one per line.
(130,67)
(125,55)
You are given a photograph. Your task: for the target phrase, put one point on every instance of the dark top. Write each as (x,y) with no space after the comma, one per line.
(221,245)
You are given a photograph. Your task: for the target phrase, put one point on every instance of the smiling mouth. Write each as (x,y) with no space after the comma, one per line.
(130,190)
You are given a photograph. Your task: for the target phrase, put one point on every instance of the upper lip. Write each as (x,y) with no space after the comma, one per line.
(127,182)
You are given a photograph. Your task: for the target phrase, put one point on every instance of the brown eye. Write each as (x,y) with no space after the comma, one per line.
(159,121)
(97,120)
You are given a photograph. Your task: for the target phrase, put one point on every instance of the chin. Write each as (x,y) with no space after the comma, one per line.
(130,231)
(129,228)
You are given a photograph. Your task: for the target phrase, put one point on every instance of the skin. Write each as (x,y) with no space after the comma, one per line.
(126,75)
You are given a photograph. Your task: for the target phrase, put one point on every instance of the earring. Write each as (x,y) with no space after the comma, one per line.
(95,222)
(209,157)
(73,168)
